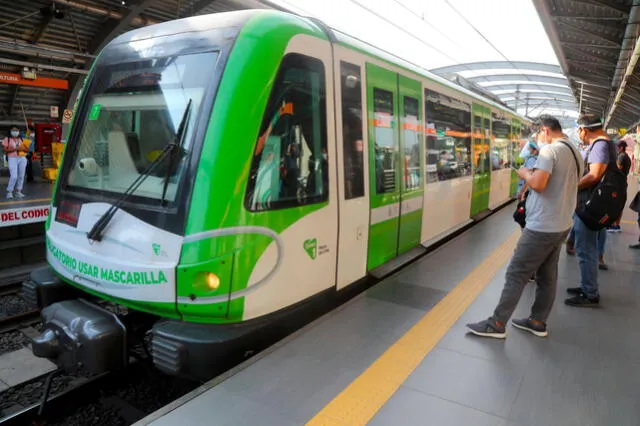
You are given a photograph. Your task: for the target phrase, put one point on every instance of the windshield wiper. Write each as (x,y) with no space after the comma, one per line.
(95,234)
(179,139)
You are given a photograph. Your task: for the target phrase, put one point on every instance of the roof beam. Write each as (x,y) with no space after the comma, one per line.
(588,17)
(42,66)
(551,103)
(200,5)
(582,31)
(521,77)
(494,65)
(591,45)
(525,88)
(114,27)
(542,97)
(607,5)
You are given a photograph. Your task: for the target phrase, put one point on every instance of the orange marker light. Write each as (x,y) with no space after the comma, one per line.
(213,282)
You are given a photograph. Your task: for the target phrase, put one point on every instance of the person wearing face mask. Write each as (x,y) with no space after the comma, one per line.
(553,185)
(16,155)
(599,155)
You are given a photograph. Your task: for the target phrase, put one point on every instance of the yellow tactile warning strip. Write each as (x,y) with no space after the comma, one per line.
(361,400)
(21,201)
(628,222)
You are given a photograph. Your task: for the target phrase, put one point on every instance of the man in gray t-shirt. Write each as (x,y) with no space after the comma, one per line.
(553,184)
(552,209)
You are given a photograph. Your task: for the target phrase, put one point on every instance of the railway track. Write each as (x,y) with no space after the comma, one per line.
(114,398)
(18,316)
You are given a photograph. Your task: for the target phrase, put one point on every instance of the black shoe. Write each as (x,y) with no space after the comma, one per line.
(635,246)
(536,327)
(582,301)
(574,290)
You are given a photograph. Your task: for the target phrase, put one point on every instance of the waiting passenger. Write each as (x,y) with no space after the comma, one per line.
(550,206)
(16,151)
(599,154)
(624,163)
(530,161)
(635,206)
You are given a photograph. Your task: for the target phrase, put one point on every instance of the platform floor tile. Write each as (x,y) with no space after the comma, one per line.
(21,365)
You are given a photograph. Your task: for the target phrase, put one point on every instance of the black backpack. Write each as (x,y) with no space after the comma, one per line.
(604,205)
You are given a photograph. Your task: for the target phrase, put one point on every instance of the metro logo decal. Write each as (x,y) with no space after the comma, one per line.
(311,247)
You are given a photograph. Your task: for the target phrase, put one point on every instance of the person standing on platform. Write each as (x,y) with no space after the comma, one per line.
(30,134)
(600,154)
(550,205)
(16,155)
(624,163)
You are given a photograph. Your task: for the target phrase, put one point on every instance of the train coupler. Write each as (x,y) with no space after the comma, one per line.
(80,336)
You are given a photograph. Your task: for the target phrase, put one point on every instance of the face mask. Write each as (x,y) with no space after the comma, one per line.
(14,133)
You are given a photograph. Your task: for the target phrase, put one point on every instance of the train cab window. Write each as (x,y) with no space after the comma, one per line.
(384,141)
(352,145)
(411,131)
(500,158)
(448,134)
(290,164)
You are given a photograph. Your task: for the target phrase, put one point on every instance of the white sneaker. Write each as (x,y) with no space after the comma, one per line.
(20,194)
(9,195)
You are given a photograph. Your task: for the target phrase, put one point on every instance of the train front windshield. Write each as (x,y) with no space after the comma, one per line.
(132,110)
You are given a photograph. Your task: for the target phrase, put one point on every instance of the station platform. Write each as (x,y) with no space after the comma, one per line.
(22,241)
(399,353)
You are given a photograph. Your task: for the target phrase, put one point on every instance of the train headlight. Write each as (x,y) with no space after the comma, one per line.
(213,282)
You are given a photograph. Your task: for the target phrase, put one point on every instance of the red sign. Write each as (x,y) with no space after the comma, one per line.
(51,83)
(20,216)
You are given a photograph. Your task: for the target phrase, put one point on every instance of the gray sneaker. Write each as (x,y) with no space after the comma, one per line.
(535,327)
(488,328)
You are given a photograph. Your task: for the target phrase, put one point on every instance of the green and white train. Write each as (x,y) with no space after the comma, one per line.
(223,171)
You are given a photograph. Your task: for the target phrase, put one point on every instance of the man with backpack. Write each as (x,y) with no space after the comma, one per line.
(550,205)
(601,197)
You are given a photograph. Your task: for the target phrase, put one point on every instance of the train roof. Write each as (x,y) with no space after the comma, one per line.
(235,20)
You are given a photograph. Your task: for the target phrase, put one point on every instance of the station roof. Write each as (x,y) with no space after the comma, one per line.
(596,42)
(59,39)
(530,88)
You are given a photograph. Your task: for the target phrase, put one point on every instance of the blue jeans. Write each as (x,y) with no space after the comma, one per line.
(586,244)
(602,240)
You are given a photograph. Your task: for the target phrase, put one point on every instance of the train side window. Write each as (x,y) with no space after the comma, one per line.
(290,165)
(500,158)
(352,144)
(478,144)
(385,142)
(448,134)
(411,129)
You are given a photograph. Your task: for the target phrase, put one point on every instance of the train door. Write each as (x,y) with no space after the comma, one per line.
(353,203)
(481,167)
(411,164)
(391,103)
(515,159)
